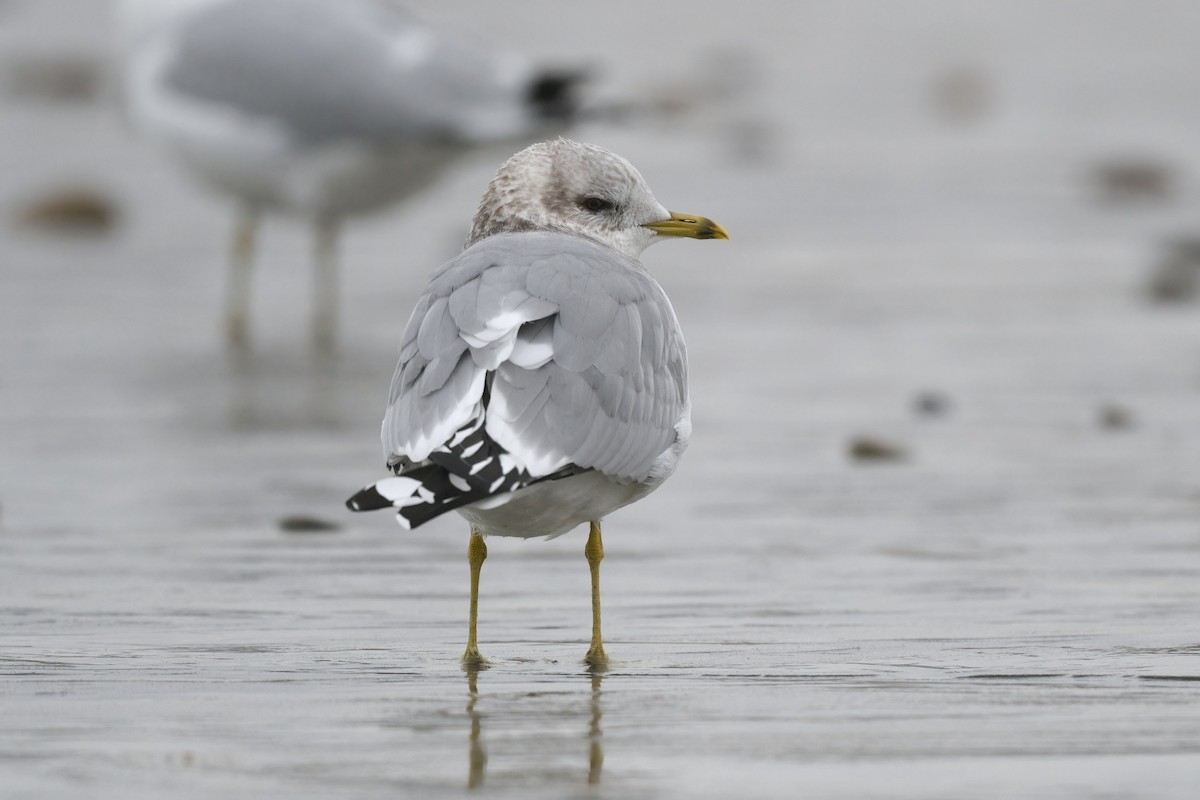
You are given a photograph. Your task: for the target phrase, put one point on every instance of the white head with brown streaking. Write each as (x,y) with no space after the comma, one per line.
(581,189)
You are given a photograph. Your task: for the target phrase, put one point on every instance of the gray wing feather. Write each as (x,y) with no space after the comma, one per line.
(437,332)
(363,70)
(586,361)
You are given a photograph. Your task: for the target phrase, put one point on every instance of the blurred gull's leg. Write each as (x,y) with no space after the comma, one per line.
(325,288)
(237,302)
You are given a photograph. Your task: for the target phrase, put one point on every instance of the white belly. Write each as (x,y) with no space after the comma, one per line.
(552,508)
(320,182)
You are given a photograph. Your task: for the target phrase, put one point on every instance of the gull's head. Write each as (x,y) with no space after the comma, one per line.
(585,190)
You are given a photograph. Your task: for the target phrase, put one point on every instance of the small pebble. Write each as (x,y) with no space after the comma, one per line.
(71,211)
(1133,180)
(931,404)
(1176,278)
(54,78)
(869,448)
(962,94)
(300,523)
(1115,418)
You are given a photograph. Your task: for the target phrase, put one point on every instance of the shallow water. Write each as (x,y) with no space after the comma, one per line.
(1009,610)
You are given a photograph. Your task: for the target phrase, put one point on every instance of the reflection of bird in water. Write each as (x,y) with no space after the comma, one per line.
(542,379)
(477,758)
(477,754)
(595,734)
(323,109)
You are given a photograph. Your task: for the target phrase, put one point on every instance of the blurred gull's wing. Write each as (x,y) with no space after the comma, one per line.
(362,70)
(567,351)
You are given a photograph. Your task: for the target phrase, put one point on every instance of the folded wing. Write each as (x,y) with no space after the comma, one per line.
(566,351)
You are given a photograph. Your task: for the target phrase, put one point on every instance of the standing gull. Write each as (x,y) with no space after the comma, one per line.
(542,380)
(322,109)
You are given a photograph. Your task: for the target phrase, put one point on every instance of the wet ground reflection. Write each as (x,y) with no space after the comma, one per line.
(269,390)
(477,753)
(936,534)
(596,734)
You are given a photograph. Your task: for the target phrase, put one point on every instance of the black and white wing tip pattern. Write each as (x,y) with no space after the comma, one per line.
(470,468)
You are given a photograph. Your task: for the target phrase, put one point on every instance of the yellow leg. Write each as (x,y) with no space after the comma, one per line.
(476,553)
(237,302)
(594,551)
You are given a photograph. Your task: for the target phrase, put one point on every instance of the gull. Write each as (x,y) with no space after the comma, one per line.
(542,380)
(320,109)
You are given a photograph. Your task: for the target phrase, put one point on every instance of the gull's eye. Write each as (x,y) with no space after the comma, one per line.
(595,204)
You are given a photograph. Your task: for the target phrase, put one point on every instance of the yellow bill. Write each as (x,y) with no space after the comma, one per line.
(688,225)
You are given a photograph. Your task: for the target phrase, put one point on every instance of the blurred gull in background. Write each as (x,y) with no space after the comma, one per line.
(321,109)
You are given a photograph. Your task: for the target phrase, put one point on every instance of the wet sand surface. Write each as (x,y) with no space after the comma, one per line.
(998,596)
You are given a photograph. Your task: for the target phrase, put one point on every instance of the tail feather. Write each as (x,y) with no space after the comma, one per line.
(430,491)
(553,94)
(471,467)
(418,496)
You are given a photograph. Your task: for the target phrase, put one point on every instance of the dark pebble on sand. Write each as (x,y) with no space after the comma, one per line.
(931,404)
(1115,418)
(71,211)
(54,78)
(1176,277)
(300,523)
(869,448)
(1133,180)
